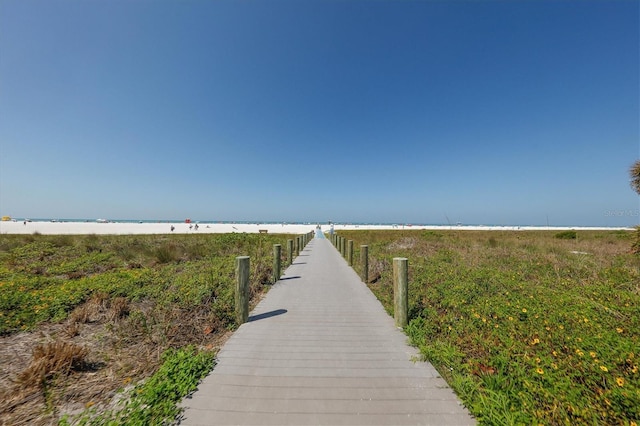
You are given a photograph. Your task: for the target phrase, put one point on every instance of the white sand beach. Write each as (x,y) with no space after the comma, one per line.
(131,228)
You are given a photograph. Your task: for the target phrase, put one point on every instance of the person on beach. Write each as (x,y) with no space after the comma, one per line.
(172,228)
(196,227)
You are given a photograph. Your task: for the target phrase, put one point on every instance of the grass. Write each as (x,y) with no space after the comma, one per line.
(154,401)
(527,327)
(89,315)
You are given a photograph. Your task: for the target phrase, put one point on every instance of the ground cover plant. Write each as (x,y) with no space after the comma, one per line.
(527,327)
(82,317)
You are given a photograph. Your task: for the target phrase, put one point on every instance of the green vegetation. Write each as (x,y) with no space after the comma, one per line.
(43,278)
(98,312)
(526,327)
(567,235)
(154,401)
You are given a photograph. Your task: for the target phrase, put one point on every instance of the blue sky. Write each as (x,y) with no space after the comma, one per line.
(481,112)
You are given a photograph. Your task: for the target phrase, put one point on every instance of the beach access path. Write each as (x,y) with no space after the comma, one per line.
(320,349)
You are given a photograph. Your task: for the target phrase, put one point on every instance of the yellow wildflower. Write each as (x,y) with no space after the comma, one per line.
(524,310)
(620,381)
(535,341)
(603,368)
(619,330)
(593,354)
(539,371)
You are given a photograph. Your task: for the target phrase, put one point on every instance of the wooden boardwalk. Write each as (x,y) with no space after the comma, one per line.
(320,349)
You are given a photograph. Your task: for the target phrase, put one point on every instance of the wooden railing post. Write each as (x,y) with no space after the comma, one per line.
(289,252)
(242,289)
(364,263)
(350,252)
(400,291)
(277,253)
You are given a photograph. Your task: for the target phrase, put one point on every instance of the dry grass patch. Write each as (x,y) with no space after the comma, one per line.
(50,360)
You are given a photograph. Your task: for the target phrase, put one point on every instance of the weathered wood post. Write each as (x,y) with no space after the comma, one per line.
(364,263)
(289,252)
(277,252)
(242,289)
(400,291)
(343,246)
(350,252)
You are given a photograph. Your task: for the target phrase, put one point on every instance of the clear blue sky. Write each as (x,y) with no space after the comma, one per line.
(481,112)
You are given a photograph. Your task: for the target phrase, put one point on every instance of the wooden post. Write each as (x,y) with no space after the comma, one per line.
(400,291)
(364,263)
(350,252)
(277,252)
(242,289)
(289,252)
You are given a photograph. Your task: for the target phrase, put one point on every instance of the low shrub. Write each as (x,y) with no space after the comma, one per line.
(566,235)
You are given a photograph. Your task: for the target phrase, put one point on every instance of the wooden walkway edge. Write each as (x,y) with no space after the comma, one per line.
(320,349)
